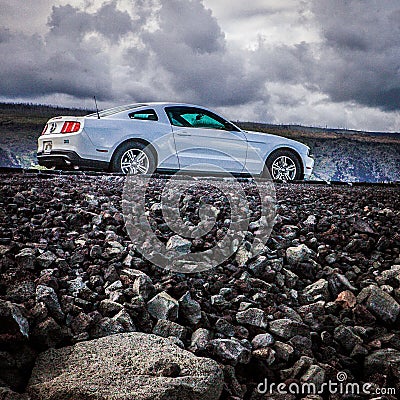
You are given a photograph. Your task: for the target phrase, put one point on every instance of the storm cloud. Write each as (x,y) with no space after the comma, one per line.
(288,61)
(360,52)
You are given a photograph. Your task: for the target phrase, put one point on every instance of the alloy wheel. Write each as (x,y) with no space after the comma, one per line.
(135,162)
(283,168)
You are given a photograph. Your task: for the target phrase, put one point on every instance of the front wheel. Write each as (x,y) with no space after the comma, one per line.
(133,158)
(283,165)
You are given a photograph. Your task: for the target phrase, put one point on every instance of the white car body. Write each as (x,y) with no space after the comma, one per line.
(91,142)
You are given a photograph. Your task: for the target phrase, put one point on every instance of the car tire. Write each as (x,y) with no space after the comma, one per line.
(133,158)
(283,165)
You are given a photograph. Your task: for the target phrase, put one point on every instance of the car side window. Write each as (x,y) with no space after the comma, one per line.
(197,118)
(144,115)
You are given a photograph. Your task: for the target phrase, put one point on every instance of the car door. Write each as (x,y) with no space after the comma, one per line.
(206,142)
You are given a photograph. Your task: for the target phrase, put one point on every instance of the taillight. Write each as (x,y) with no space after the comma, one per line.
(70,127)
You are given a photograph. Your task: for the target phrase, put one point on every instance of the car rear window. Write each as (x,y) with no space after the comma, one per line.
(146,115)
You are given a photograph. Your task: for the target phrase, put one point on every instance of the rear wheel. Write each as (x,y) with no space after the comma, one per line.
(133,158)
(284,165)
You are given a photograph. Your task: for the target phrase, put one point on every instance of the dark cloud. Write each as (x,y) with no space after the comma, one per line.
(65,60)
(357,59)
(73,23)
(360,55)
(177,50)
(190,49)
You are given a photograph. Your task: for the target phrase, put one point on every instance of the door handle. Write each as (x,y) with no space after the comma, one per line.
(183,133)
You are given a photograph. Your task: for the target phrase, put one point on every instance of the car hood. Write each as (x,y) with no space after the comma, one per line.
(261,137)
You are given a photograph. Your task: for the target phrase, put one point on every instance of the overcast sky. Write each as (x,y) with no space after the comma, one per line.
(329,63)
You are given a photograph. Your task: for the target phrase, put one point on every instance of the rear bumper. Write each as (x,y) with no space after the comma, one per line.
(67,158)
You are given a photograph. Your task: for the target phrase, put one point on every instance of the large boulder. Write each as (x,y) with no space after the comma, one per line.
(123,367)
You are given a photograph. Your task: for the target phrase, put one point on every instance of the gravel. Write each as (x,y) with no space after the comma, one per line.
(322,297)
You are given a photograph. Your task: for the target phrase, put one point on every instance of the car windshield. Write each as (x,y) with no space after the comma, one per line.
(116,110)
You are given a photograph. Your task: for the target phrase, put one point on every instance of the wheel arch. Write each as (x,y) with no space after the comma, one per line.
(289,150)
(135,140)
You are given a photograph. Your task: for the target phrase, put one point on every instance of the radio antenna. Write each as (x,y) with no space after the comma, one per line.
(97,110)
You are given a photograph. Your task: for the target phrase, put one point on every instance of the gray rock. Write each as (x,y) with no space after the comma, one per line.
(386,361)
(286,328)
(75,286)
(390,274)
(380,303)
(116,367)
(46,259)
(230,351)
(224,327)
(254,317)
(143,286)
(318,290)
(26,258)
(48,296)
(283,350)
(48,333)
(12,321)
(297,254)
(106,327)
(125,320)
(179,244)
(199,341)
(163,306)
(96,251)
(291,278)
(317,308)
(21,292)
(346,337)
(109,308)
(190,309)
(219,301)
(167,328)
(310,221)
(314,374)
(258,265)
(117,285)
(299,367)
(262,340)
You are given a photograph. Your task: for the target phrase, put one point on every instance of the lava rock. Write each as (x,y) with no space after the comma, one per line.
(190,309)
(167,328)
(298,254)
(48,296)
(163,306)
(200,340)
(253,317)
(286,328)
(262,340)
(230,351)
(14,326)
(380,303)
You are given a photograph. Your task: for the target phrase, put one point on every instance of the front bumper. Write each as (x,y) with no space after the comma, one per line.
(68,158)
(308,166)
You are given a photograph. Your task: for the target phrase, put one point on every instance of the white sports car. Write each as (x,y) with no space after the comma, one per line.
(140,138)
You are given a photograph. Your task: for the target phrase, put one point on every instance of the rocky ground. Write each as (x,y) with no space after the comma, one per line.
(322,298)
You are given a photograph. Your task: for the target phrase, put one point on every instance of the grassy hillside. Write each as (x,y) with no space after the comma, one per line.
(339,154)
